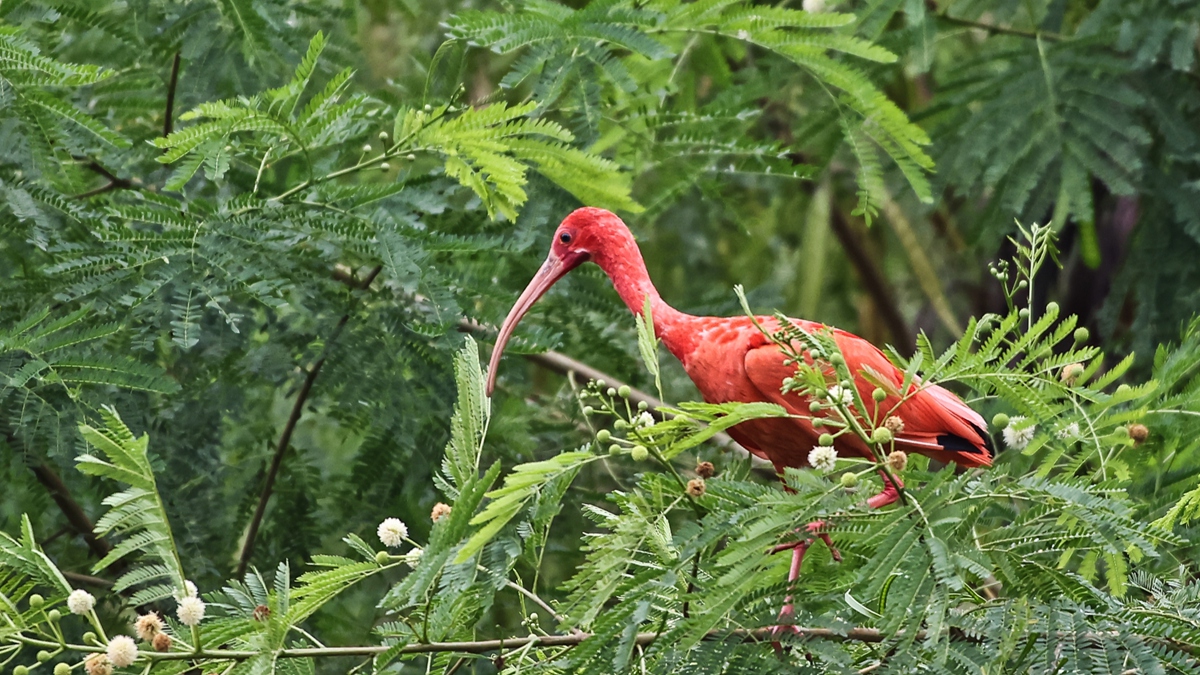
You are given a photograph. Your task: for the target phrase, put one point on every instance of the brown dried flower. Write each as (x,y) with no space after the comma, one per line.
(897,461)
(439,511)
(1139,433)
(706,470)
(695,487)
(161,642)
(894,424)
(1070,373)
(261,613)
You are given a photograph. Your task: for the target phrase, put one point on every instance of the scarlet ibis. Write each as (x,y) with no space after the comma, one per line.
(730,359)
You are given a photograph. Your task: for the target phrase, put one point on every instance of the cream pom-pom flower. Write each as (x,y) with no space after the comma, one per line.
(149,625)
(80,601)
(190,611)
(392,532)
(122,651)
(1018,433)
(822,458)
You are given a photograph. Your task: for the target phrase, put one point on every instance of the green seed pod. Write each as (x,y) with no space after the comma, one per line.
(603,435)
(62,669)
(825,439)
(611,391)
(1000,421)
(623,392)
(382,557)
(21,670)
(1052,308)
(878,395)
(849,479)
(1081,335)
(36,601)
(588,410)
(43,656)
(54,615)
(882,435)
(639,453)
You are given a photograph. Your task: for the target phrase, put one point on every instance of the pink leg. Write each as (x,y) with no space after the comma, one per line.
(889,495)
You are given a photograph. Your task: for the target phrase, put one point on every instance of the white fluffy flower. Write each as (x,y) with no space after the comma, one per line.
(1070,431)
(1018,434)
(122,651)
(413,557)
(80,601)
(189,591)
(645,419)
(392,532)
(822,458)
(813,6)
(190,611)
(841,395)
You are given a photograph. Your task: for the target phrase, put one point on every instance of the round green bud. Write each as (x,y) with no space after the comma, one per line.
(89,638)
(882,435)
(1022,283)
(588,410)
(382,557)
(603,435)
(367,147)
(642,405)
(623,392)
(611,391)
(54,615)
(825,439)
(410,157)
(639,453)
(814,354)
(849,479)
(1122,388)
(820,394)
(836,359)
(383,136)
(43,656)
(1052,308)
(818,422)
(878,395)
(614,449)
(62,669)
(1023,313)
(1121,432)
(1081,335)
(36,601)
(385,167)
(20,670)
(815,406)
(600,384)
(620,425)
(1000,421)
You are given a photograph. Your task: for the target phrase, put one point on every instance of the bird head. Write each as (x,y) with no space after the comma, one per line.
(586,234)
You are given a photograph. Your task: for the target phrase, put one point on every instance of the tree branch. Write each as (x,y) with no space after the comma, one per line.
(1001,30)
(285,437)
(71,509)
(873,281)
(169,118)
(114,182)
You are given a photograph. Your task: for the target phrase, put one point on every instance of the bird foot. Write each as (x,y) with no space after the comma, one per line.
(814,528)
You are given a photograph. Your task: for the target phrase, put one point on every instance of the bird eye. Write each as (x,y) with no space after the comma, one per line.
(565,237)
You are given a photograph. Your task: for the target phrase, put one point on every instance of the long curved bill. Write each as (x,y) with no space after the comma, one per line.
(552,270)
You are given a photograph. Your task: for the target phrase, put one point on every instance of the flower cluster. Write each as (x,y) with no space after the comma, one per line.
(1018,434)
(80,601)
(392,532)
(823,458)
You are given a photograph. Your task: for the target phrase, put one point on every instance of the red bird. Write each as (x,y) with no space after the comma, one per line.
(730,359)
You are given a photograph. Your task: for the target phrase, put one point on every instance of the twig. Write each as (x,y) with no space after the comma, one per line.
(87,579)
(114,182)
(285,437)
(1001,30)
(71,509)
(169,120)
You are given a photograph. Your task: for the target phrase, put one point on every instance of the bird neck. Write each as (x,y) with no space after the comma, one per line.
(627,270)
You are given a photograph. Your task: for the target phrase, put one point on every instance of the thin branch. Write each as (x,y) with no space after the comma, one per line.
(285,437)
(79,520)
(169,118)
(87,579)
(1001,30)
(114,182)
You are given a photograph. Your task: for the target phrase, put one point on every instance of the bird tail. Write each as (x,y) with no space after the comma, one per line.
(963,440)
